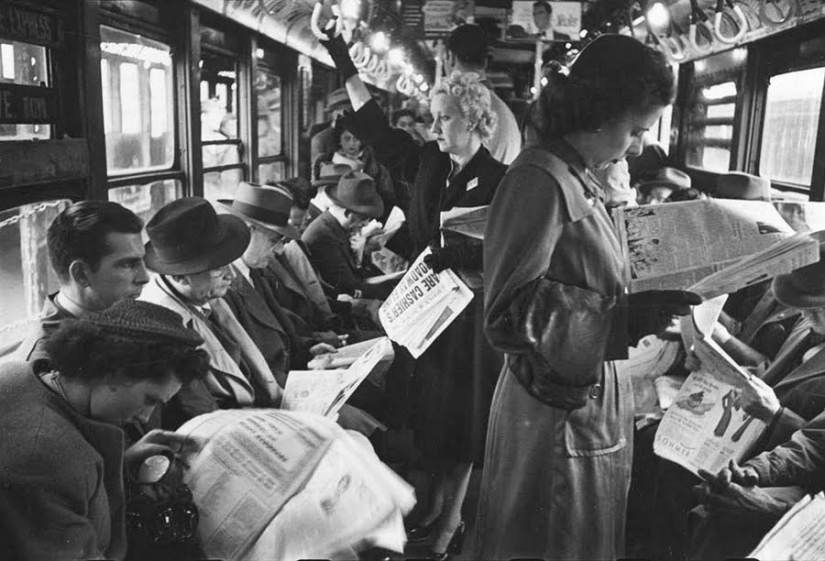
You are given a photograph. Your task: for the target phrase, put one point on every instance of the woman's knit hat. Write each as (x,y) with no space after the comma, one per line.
(144,321)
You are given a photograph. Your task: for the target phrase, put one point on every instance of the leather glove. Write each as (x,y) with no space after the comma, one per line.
(455,256)
(652,311)
(338,50)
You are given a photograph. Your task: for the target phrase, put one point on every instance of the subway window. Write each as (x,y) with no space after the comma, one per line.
(789,132)
(711,107)
(26,65)
(25,275)
(138,102)
(145,199)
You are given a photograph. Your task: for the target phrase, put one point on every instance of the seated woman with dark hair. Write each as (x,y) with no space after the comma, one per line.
(62,453)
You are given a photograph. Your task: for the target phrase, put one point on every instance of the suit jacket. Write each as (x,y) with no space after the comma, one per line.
(330,253)
(261,316)
(61,478)
(290,292)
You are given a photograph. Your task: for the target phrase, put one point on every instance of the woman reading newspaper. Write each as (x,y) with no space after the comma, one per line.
(457,373)
(557,464)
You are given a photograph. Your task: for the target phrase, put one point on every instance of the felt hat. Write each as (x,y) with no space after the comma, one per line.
(145,321)
(670,178)
(738,185)
(330,174)
(805,287)
(646,165)
(356,191)
(338,99)
(469,42)
(187,236)
(265,206)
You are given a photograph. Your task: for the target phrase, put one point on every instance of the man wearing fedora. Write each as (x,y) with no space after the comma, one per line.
(355,201)
(328,175)
(190,249)
(265,210)
(744,186)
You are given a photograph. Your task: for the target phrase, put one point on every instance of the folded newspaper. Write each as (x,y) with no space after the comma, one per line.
(674,246)
(423,305)
(651,358)
(802,216)
(798,535)
(278,485)
(325,391)
(469,221)
(706,427)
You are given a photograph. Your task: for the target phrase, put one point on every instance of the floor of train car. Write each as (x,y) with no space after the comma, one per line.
(400,456)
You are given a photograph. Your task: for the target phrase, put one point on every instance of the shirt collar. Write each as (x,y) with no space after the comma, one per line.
(243,268)
(72,307)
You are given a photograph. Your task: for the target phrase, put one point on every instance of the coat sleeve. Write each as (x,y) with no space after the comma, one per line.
(393,148)
(799,461)
(42,512)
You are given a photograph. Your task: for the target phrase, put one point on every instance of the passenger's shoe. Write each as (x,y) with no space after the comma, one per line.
(454,547)
(418,534)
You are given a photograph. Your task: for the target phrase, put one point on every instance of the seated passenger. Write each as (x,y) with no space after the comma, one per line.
(666,182)
(62,448)
(355,201)
(97,254)
(191,248)
(326,175)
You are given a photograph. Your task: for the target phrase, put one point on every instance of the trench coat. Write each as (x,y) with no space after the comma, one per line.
(455,377)
(555,480)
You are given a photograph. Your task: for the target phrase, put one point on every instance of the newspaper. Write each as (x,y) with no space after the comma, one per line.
(279,485)
(423,305)
(387,261)
(676,245)
(651,358)
(705,427)
(346,355)
(324,391)
(798,535)
(469,221)
(802,216)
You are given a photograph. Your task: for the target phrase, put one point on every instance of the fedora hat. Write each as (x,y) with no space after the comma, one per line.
(330,174)
(805,287)
(356,191)
(670,178)
(187,236)
(265,206)
(738,185)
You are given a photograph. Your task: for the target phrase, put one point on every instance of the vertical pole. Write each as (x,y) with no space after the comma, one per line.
(439,60)
(537,69)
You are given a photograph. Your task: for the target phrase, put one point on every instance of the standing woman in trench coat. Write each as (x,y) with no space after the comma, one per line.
(557,463)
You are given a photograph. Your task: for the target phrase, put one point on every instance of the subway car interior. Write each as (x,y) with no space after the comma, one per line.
(214,109)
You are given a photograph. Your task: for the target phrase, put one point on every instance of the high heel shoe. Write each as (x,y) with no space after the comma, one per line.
(454,547)
(421,533)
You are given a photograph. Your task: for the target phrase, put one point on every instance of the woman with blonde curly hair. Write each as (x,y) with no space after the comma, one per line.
(455,377)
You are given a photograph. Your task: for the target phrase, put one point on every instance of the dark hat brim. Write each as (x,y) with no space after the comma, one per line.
(374,210)
(231,245)
(289,231)
(325,181)
(786,292)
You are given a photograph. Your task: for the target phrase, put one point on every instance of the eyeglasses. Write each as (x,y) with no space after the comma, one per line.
(218,273)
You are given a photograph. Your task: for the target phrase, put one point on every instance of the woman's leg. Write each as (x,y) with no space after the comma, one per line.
(435,505)
(456,481)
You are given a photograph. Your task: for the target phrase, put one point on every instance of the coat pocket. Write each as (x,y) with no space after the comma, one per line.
(603,425)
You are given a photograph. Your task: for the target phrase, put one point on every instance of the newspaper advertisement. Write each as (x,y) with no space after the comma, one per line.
(798,535)
(469,221)
(324,391)
(706,427)
(251,464)
(423,305)
(674,246)
(337,498)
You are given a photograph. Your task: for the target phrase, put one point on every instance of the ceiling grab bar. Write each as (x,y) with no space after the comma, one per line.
(738,16)
(699,23)
(672,47)
(316,17)
(769,19)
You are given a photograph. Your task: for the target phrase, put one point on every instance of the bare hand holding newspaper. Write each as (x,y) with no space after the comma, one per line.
(706,426)
(423,305)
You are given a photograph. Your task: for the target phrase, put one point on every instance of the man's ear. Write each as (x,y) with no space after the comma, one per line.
(80,272)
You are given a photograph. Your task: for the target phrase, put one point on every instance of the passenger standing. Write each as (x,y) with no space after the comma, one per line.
(557,464)
(458,371)
(467,52)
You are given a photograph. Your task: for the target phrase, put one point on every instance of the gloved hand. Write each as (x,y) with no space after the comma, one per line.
(454,256)
(438,260)
(652,311)
(339,51)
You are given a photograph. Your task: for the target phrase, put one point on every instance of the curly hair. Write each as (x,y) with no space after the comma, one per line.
(473,99)
(612,76)
(84,351)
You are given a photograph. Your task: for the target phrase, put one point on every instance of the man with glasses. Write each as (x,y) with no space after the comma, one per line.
(354,202)
(191,249)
